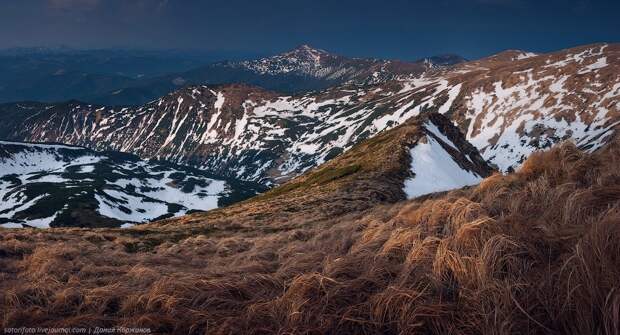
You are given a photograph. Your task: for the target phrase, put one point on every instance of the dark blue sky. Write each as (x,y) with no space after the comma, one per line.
(386,29)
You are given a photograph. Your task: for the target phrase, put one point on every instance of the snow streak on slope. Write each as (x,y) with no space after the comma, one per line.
(43,185)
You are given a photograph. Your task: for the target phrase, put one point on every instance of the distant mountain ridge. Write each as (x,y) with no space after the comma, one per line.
(296,71)
(133,77)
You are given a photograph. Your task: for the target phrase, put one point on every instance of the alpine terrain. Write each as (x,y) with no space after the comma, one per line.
(507,105)
(409,168)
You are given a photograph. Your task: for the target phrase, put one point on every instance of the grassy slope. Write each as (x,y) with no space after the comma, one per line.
(532,252)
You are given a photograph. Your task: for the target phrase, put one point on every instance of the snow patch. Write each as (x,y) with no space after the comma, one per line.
(435,171)
(525,55)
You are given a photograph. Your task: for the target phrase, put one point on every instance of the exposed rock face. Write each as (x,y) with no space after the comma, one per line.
(508,106)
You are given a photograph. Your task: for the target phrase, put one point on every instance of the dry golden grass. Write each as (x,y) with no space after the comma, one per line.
(534,252)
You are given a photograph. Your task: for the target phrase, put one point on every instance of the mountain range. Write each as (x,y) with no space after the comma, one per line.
(507,105)
(488,114)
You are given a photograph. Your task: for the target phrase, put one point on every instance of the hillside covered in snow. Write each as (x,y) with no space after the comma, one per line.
(47,185)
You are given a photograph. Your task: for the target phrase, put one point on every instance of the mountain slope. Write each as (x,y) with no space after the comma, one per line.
(508,106)
(376,170)
(512,108)
(345,253)
(45,185)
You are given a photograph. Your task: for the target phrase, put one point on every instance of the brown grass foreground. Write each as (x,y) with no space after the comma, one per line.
(535,252)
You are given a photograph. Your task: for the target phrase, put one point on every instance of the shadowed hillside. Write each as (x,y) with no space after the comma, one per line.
(339,250)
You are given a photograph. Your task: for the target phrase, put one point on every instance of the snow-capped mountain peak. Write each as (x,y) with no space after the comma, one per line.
(309,62)
(306,52)
(442,60)
(302,60)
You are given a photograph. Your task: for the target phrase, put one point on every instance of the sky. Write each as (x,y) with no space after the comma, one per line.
(398,29)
